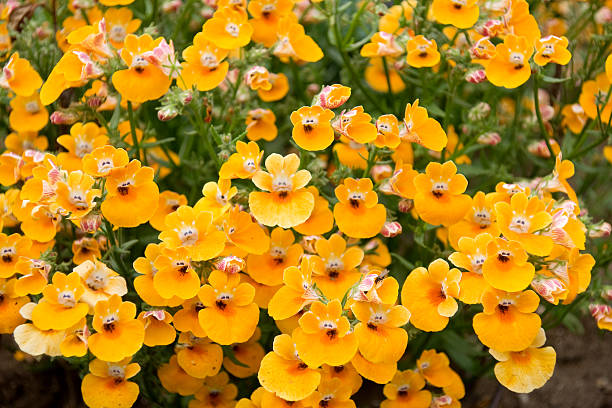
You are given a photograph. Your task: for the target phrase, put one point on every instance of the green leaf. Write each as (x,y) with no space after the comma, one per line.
(553,80)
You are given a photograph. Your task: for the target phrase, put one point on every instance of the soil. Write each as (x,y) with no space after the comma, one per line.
(582,379)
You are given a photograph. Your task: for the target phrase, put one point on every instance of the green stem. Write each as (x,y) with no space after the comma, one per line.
(351,30)
(203,131)
(536,101)
(133,129)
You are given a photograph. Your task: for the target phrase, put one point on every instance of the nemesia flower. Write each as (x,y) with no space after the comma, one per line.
(602,315)
(257,78)
(471,255)
(346,373)
(216,392)
(508,321)
(142,80)
(593,96)
(333,393)
(132,195)
(293,43)
(439,198)
(216,197)
(268,268)
(382,44)
(552,49)
(158,330)
(352,154)
(510,65)
(429,294)
(228,29)
(108,382)
(517,19)
(321,219)
(335,266)
(434,367)
(333,96)
(229,316)
(143,284)
(525,370)
(388,130)
(28,114)
(521,219)
(248,355)
(174,379)
(34,274)
(103,159)
(280,88)
(266,15)
(120,23)
(19,76)
(198,356)
(422,129)
(75,195)
(422,52)
(312,129)
(261,124)
(11,304)
(174,274)
(193,231)
(574,117)
(380,373)
(99,282)
(356,125)
(479,219)
(186,319)
(242,164)
(297,293)
(169,201)
(82,140)
(244,236)
(75,342)
(12,248)
(204,65)
(356,200)
(118,334)
(283,372)
(284,202)
(376,76)
(406,389)
(506,266)
(460,13)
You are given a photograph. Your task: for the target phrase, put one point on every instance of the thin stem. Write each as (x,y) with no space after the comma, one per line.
(536,101)
(133,129)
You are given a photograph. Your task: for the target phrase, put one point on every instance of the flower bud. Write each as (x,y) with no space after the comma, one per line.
(380,172)
(167,113)
(491,28)
(91,222)
(603,16)
(600,230)
(187,97)
(550,289)
(489,138)
(479,112)
(308,243)
(171,6)
(391,229)
(476,77)
(405,205)
(63,118)
(333,96)
(231,264)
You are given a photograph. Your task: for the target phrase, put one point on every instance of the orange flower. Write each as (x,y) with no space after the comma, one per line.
(471,256)
(216,198)
(261,124)
(439,198)
(75,195)
(346,373)
(268,268)
(356,200)
(356,125)
(518,20)
(406,390)
(12,247)
(103,159)
(108,382)
(144,284)
(230,315)
(10,306)
(401,183)
(119,24)
(186,319)
(460,13)
(248,354)
(293,43)
(204,65)
(335,266)
(510,65)
(60,308)
(193,231)
(99,282)
(199,357)
(34,274)
(422,129)
(380,373)
(382,44)
(228,29)
(216,392)
(422,52)
(429,294)
(312,128)
(592,96)
(82,140)
(325,336)
(75,342)
(387,127)
(132,195)
(242,164)
(28,114)
(526,370)
(174,379)
(332,393)
(284,202)
(119,334)
(243,235)
(376,76)
(321,219)
(508,321)
(479,219)
(351,154)
(552,49)
(143,80)
(506,266)
(381,337)
(283,372)
(20,142)
(435,368)
(19,76)
(297,293)
(280,88)
(169,201)
(174,274)
(266,14)
(522,219)
(158,330)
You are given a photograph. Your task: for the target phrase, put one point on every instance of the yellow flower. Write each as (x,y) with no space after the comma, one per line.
(108,382)
(228,29)
(422,52)
(552,49)
(510,65)
(357,200)
(293,43)
(460,13)
(421,129)
(312,129)
(204,65)
(19,76)
(28,113)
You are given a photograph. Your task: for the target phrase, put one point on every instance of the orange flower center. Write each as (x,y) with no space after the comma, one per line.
(7,254)
(181,266)
(504,305)
(232,29)
(356,198)
(32,107)
(172,204)
(548,50)
(439,188)
(482,217)
(309,123)
(333,267)
(188,235)
(325,401)
(458,4)
(124,187)
(82,148)
(222,300)
(77,198)
(517,59)
(519,224)
(221,197)
(117,33)
(282,184)
(422,48)
(117,372)
(139,63)
(403,389)
(66,298)
(504,255)
(477,261)
(209,60)
(109,323)
(105,165)
(278,254)
(249,165)
(96,280)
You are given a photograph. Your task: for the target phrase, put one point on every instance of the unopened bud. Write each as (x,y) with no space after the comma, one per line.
(603,16)
(91,222)
(63,118)
(489,138)
(380,172)
(600,230)
(405,205)
(480,111)
(334,96)
(476,76)
(308,243)
(391,229)
(171,6)
(231,264)
(167,113)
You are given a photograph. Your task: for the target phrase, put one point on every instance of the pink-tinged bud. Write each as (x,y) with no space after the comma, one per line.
(607,294)
(334,96)
(43,32)
(600,230)
(167,113)
(603,16)
(391,229)
(91,222)
(312,89)
(308,243)
(491,28)
(441,402)
(231,264)
(550,289)
(157,314)
(539,149)
(171,6)
(476,76)
(95,101)
(405,205)
(601,313)
(187,97)
(489,138)
(381,172)
(63,118)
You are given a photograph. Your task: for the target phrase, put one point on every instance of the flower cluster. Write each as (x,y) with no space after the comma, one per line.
(212,212)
